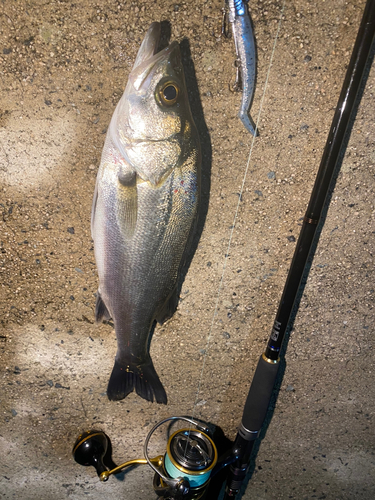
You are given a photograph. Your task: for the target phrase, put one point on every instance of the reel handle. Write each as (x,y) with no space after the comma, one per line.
(90,449)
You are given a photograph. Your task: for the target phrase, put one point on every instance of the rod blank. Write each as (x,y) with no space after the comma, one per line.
(266,372)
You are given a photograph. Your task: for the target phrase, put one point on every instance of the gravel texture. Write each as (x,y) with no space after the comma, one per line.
(63,68)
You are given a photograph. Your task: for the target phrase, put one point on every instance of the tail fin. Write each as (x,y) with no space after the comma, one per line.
(143,378)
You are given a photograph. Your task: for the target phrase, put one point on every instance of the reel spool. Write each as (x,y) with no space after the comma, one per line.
(182,473)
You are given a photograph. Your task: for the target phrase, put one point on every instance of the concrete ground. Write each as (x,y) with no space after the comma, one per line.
(63,68)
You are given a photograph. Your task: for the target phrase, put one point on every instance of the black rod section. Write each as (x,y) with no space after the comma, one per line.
(265,374)
(328,163)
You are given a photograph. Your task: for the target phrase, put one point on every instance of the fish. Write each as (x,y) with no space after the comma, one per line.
(244,41)
(145,211)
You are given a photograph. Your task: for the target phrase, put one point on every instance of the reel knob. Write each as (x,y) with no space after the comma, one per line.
(90,449)
(182,488)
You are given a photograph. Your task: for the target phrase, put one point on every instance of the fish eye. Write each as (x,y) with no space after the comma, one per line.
(168,93)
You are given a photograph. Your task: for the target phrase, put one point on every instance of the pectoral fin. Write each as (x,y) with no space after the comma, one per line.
(128,200)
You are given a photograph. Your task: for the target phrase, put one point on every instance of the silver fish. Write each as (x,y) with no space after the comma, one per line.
(144,211)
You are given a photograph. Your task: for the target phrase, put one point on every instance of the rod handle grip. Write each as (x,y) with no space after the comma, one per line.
(260,393)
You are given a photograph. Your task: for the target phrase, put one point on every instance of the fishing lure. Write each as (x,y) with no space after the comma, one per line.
(239,19)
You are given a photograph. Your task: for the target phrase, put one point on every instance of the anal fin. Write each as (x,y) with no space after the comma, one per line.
(169,308)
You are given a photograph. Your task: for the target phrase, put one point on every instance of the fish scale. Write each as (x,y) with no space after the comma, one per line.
(145,211)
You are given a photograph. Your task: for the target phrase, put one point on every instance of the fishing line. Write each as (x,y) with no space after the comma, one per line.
(236,212)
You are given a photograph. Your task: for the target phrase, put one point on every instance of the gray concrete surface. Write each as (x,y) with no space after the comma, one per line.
(63,67)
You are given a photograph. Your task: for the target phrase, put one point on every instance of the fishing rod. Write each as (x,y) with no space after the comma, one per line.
(263,382)
(191,459)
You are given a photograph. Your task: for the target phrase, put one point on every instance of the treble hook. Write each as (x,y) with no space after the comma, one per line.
(225,30)
(237,84)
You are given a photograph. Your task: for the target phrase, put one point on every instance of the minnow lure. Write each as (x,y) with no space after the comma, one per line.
(244,42)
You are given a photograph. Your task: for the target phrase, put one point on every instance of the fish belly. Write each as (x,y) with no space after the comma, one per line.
(138,264)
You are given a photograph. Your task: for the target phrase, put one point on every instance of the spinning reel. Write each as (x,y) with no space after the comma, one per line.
(182,473)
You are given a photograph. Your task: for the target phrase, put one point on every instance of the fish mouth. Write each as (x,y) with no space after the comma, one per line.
(149,44)
(148,57)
